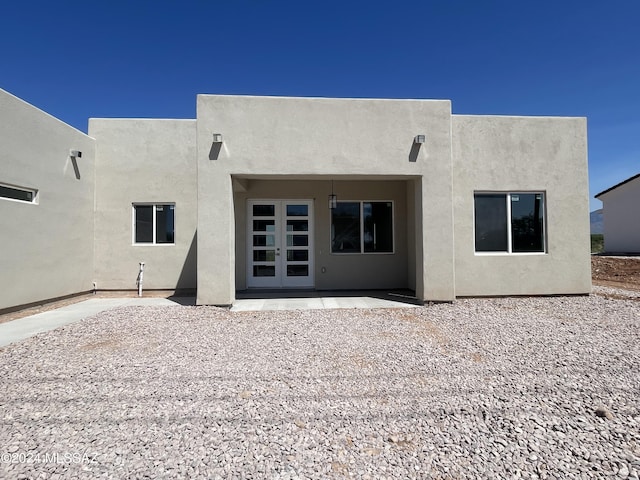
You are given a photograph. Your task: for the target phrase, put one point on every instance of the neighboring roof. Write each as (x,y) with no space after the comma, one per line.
(618,185)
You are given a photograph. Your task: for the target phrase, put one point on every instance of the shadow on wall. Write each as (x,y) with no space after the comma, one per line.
(413,154)
(74,164)
(214,153)
(76,170)
(188,276)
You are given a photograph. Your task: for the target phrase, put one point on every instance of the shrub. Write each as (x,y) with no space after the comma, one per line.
(597,243)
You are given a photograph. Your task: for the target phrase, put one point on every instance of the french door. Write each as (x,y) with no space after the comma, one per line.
(280,243)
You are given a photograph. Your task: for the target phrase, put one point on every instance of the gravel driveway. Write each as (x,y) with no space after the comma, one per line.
(481,388)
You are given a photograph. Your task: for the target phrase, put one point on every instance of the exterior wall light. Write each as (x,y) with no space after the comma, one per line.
(419,139)
(217,138)
(75,153)
(333,198)
(333,201)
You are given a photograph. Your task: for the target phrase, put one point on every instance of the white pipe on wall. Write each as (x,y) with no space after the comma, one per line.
(140,278)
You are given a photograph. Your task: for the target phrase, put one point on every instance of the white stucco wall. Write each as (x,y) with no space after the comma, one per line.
(511,154)
(143,161)
(361,139)
(46,249)
(621,213)
(81,230)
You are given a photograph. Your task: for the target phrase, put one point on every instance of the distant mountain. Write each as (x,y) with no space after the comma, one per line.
(596,221)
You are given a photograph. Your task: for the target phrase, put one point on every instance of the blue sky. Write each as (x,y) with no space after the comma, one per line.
(80,59)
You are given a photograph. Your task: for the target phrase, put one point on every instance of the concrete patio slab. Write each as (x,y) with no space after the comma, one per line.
(25,327)
(313,303)
(21,328)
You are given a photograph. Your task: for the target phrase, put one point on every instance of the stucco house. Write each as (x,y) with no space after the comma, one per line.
(286,193)
(621,213)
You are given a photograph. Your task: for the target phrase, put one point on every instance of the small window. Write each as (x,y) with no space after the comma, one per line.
(509,222)
(154,223)
(362,227)
(20,194)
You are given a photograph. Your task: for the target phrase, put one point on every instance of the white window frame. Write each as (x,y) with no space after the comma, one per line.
(34,194)
(509,227)
(362,252)
(133,224)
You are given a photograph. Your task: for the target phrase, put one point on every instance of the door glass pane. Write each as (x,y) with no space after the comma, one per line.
(491,222)
(297,210)
(297,240)
(297,270)
(144,223)
(297,255)
(263,210)
(264,226)
(264,255)
(527,234)
(264,271)
(297,225)
(378,226)
(345,227)
(264,240)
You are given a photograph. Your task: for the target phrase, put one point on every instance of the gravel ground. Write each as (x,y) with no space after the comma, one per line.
(481,388)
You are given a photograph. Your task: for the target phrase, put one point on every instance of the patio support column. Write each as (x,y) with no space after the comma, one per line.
(216,237)
(417,254)
(436,230)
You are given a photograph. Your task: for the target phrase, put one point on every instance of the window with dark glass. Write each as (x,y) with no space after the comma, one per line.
(17,193)
(374,234)
(154,224)
(345,228)
(164,224)
(491,223)
(509,222)
(378,227)
(144,223)
(527,223)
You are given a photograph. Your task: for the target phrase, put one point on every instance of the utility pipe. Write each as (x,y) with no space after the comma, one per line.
(140,278)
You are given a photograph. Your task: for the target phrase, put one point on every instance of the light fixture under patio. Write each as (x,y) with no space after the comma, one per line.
(419,139)
(217,138)
(333,198)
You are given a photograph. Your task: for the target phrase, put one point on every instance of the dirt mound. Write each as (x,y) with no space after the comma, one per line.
(619,272)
